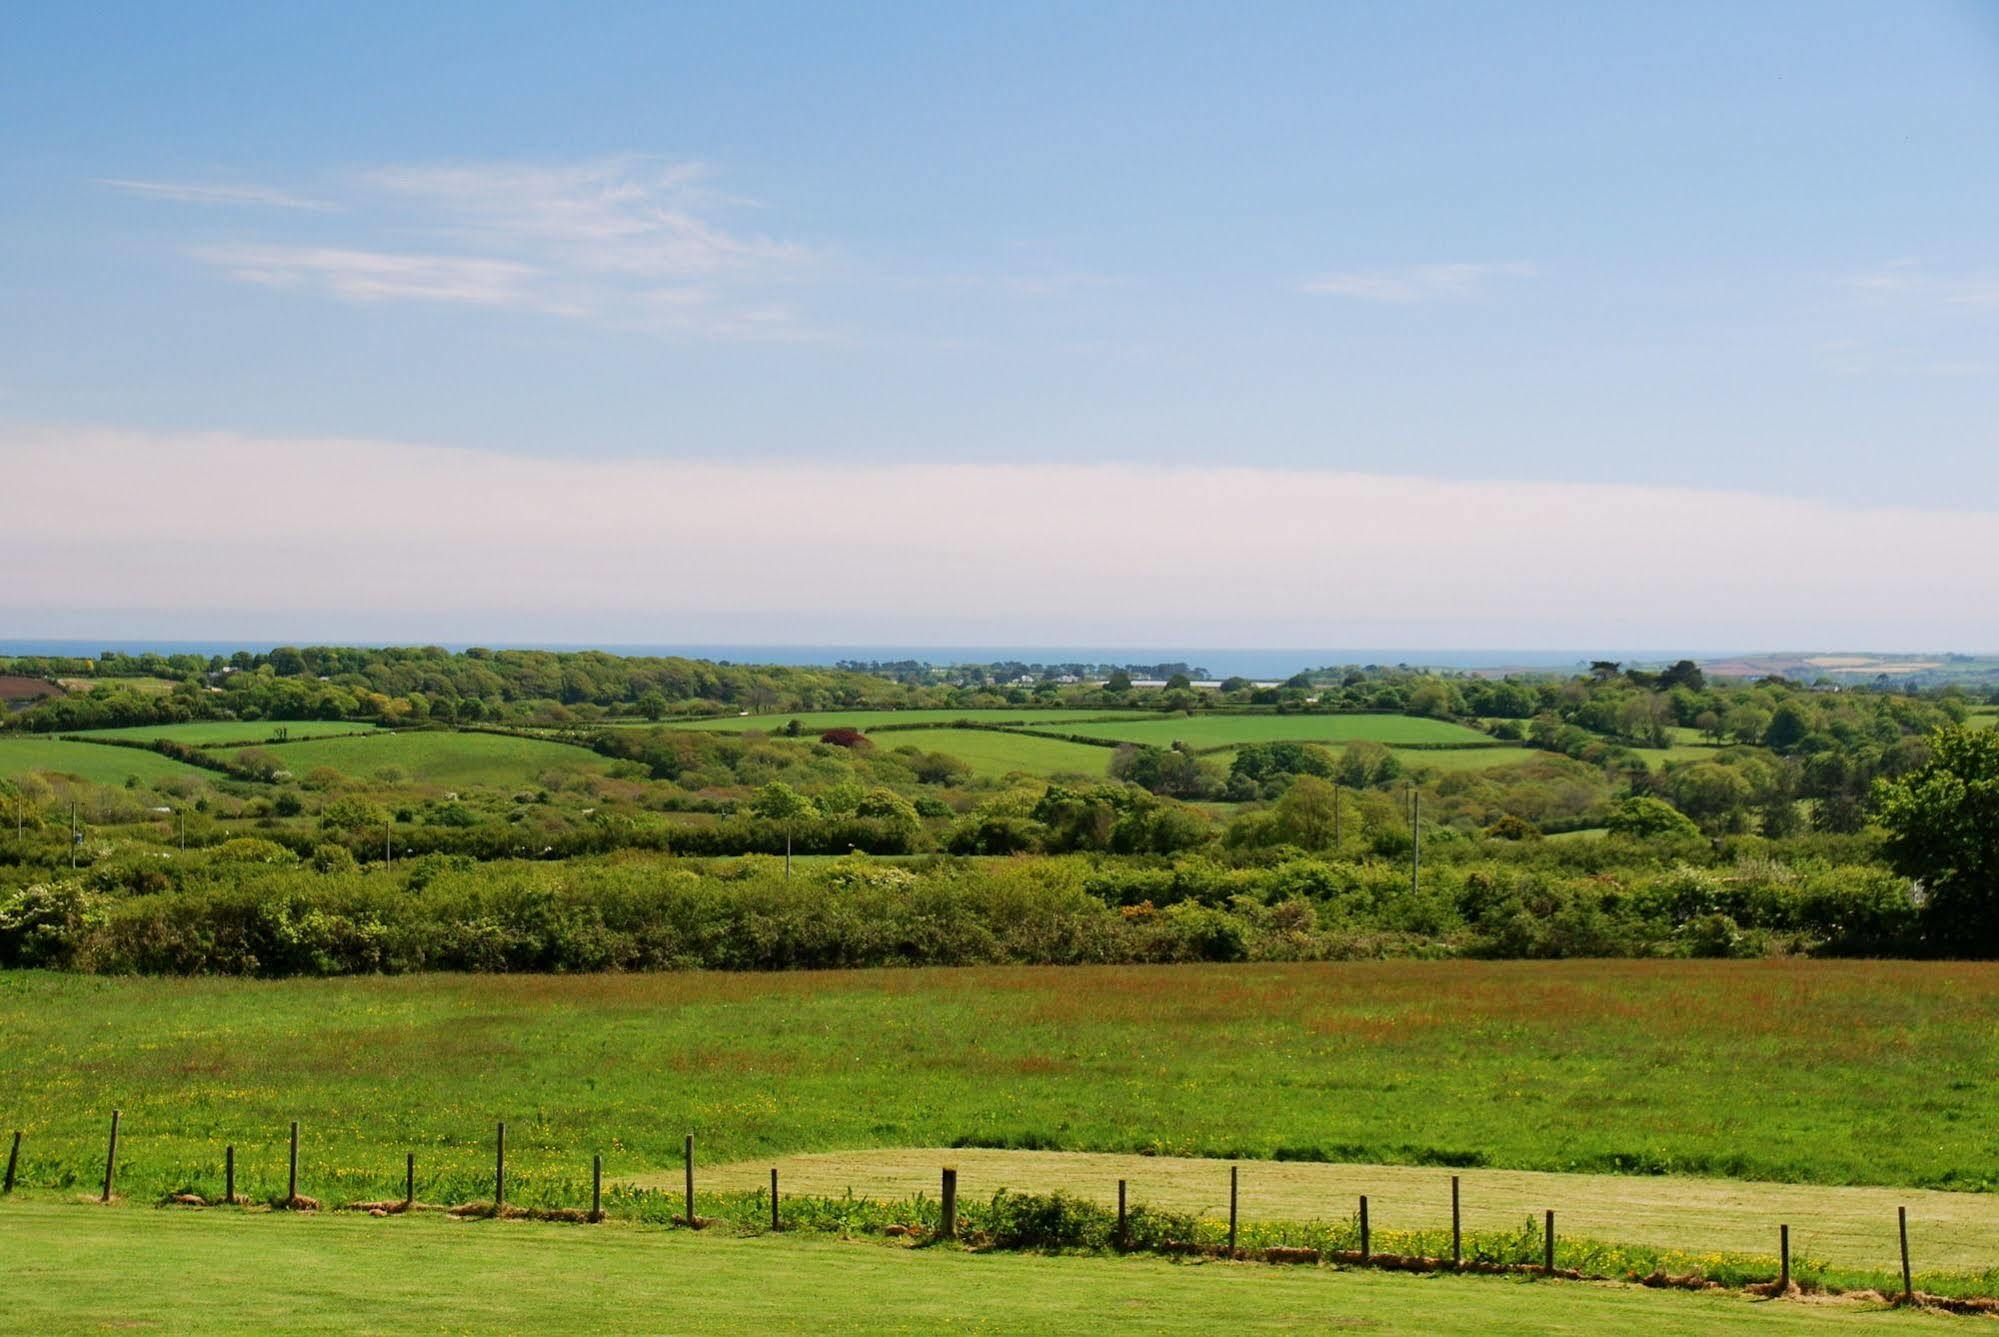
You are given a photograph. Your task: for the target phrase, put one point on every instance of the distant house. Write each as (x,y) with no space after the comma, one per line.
(18,691)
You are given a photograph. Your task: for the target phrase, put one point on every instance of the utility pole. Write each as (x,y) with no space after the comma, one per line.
(1415,836)
(183,830)
(72,835)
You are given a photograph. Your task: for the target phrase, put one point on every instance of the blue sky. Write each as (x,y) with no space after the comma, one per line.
(1747,249)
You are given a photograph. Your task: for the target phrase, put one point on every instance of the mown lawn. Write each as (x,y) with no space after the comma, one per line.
(24,753)
(1846,1228)
(86,1269)
(1827,1072)
(460,759)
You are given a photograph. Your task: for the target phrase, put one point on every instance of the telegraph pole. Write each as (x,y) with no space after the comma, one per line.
(1415,836)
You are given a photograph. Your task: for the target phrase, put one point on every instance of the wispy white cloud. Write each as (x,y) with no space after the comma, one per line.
(1485,559)
(628,243)
(183,192)
(1913,279)
(1417,283)
(619,214)
(372,276)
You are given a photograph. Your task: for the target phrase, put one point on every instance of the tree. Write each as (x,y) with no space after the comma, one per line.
(1787,728)
(1648,818)
(1943,830)
(1179,682)
(653,705)
(1118,682)
(1715,796)
(1307,812)
(1684,673)
(779,802)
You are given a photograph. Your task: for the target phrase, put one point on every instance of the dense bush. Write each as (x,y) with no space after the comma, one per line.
(250,907)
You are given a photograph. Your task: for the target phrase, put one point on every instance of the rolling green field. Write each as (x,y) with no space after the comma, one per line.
(86,1269)
(991,754)
(248,733)
(1829,1072)
(1219,730)
(460,759)
(22,753)
(818,721)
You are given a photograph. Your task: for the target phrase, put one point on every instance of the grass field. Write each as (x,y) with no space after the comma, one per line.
(74,1269)
(248,733)
(991,753)
(1834,1072)
(148,686)
(458,759)
(1848,1227)
(1219,730)
(100,765)
(1466,758)
(818,721)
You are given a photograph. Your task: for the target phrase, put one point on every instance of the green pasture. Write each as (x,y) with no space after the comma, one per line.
(437,758)
(1466,758)
(247,733)
(1818,1072)
(146,686)
(1204,731)
(85,1269)
(992,754)
(818,721)
(23,753)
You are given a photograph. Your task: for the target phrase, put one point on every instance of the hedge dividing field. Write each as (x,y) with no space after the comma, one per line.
(245,733)
(1219,730)
(816,722)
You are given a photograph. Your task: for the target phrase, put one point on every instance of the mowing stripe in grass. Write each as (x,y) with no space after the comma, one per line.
(1849,1227)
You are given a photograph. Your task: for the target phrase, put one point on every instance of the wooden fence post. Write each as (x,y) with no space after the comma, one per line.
(597,1187)
(1123,1222)
(687,1152)
(1232,1208)
(1548,1245)
(409,1179)
(1908,1281)
(111,1158)
(1784,1258)
(1366,1238)
(229,1174)
(13,1159)
(774,1226)
(1457,1228)
(949,1229)
(291,1175)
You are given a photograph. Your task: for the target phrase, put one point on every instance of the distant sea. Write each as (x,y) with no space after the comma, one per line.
(1222,663)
